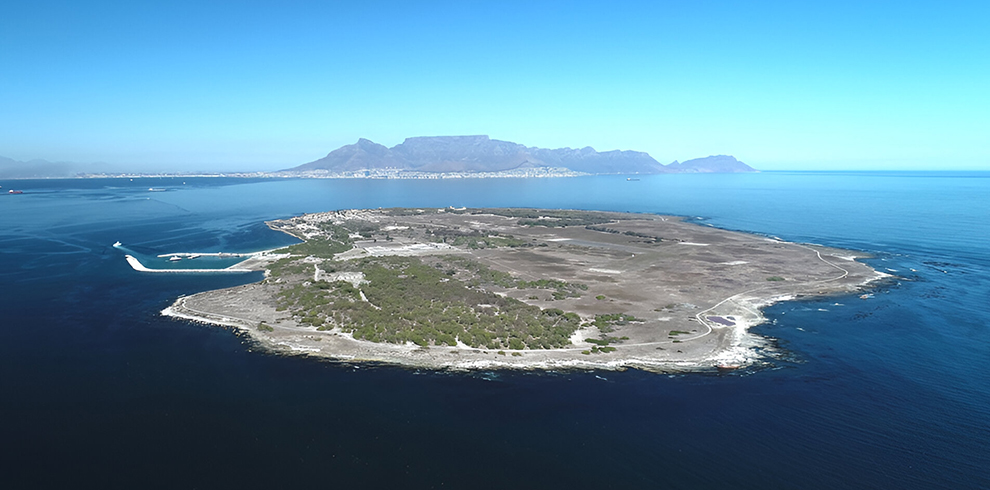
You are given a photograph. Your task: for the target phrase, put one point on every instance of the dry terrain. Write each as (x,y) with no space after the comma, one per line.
(482,288)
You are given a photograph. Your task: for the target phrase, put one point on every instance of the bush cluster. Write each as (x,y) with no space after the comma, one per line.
(408,301)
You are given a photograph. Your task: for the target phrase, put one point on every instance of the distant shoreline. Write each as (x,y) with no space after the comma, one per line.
(358,175)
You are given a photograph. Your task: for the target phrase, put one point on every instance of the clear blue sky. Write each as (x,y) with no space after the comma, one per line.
(266,85)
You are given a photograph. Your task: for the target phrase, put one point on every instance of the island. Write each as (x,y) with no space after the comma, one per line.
(456,288)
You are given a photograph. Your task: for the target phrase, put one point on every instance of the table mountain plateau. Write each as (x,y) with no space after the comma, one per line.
(482,154)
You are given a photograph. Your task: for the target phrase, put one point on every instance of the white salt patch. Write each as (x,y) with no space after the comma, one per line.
(578,336)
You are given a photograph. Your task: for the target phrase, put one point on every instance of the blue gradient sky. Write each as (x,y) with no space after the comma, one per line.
(264,85)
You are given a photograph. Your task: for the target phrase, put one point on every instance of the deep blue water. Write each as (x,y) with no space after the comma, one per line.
(97,390)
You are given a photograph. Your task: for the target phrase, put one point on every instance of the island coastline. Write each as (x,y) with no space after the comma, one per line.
(720,340)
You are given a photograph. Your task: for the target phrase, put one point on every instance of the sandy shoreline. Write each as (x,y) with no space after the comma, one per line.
(361,351)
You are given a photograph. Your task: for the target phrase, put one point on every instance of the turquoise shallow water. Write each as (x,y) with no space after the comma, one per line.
(97,389)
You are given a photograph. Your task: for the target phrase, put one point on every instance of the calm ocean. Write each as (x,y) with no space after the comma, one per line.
(98,391)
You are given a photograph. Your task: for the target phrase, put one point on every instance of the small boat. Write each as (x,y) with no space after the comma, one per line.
(175,258)
(12,191)
(630,179)
(194,256)
(116,244)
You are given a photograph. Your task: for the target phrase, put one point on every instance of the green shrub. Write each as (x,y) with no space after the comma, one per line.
(409,301)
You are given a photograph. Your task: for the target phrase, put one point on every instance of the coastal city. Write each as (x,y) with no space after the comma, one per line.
(379,173)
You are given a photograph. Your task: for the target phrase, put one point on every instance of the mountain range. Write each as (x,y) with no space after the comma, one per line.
(436,154)
(44,169)
(483,154)
(13,169)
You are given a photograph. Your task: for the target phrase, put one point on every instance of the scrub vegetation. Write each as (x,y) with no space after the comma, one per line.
(336,241)
(607,323)
(406,300)
(486,276)
(552,218)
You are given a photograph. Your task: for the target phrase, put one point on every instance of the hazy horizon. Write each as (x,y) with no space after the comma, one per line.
(234,167)
(249,87)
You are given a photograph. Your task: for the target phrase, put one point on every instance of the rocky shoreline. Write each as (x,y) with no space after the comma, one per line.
(717,299)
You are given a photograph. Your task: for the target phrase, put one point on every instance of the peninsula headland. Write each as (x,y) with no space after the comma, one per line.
(423,157)
(522,288)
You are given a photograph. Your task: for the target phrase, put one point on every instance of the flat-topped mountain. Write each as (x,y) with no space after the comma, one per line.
(483,154)
(430,156)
